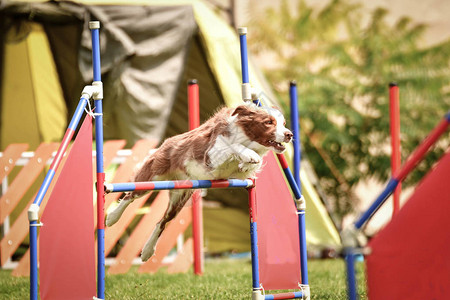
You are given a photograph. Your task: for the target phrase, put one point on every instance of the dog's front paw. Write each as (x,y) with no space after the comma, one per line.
(249,156)
(243,167)
(248,167)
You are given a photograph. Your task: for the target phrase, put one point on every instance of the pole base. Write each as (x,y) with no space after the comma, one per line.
(257,295)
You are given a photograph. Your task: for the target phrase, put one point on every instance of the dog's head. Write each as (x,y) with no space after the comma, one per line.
(264,125)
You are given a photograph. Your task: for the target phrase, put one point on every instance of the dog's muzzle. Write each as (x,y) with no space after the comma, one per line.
(288,136)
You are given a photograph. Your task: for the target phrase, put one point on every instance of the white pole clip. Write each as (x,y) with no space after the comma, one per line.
(300,203)
(108,188)
(306,292)
(33,212)
(94,91)
(242,30)
(94,25)
(246,92)
(99,90)
(257,294)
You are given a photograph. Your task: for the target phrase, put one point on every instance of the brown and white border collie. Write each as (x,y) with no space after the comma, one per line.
(229,145)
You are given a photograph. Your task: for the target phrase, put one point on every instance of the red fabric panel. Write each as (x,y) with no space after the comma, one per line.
(410,256)
(278,240)
(67,251)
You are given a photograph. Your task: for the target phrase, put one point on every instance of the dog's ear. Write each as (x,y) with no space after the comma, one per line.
(242,110)
(239,110)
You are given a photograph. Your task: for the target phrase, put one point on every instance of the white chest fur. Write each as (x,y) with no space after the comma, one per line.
(231,156)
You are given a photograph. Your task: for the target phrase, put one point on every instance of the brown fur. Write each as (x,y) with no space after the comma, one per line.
(174,151)
(256,125)
(237,138)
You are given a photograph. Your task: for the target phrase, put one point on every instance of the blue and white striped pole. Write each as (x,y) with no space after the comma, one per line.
(246,88)
(295,130)
(247,96)
(301,207)
(176,185)
(94,26)
(351,273)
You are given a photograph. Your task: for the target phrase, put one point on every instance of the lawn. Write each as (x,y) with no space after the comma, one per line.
(223,279)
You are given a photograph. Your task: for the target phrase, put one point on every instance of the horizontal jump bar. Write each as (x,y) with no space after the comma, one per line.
(292,295)
(177,185)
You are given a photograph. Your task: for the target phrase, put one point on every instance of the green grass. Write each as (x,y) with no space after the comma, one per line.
(223,279)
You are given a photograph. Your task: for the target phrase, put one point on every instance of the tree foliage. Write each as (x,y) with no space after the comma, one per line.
(343,64)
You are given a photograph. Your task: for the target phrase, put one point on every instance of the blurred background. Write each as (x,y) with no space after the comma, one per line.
(342,54)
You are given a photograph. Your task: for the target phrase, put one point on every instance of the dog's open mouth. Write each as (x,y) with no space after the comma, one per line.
(278,146)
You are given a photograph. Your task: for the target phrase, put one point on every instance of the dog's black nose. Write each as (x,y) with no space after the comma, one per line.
(288,136)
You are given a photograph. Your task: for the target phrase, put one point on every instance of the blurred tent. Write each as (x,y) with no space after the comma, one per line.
(149,50)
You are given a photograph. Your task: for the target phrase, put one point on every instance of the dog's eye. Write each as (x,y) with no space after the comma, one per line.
(270,122)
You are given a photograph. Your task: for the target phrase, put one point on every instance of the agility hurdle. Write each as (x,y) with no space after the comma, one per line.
(294,184)
(95,92)
(350,234)
(250,185)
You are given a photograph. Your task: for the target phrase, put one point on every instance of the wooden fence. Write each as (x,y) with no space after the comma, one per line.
(15,232)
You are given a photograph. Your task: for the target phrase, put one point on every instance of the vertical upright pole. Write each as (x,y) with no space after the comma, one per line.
(394,112)
(246,88)
(254,241)
(303,248)
(295,130)
(301,205)
(95,26)
(351,273)
(197,215)
(194,104)
(247,96)
(33,261)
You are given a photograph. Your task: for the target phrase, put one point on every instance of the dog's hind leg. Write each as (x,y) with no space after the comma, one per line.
(145,173)
(178,199)
(115,215)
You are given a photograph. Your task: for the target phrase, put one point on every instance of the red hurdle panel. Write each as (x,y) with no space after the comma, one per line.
(410,256)
(279,254)
(67,256)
